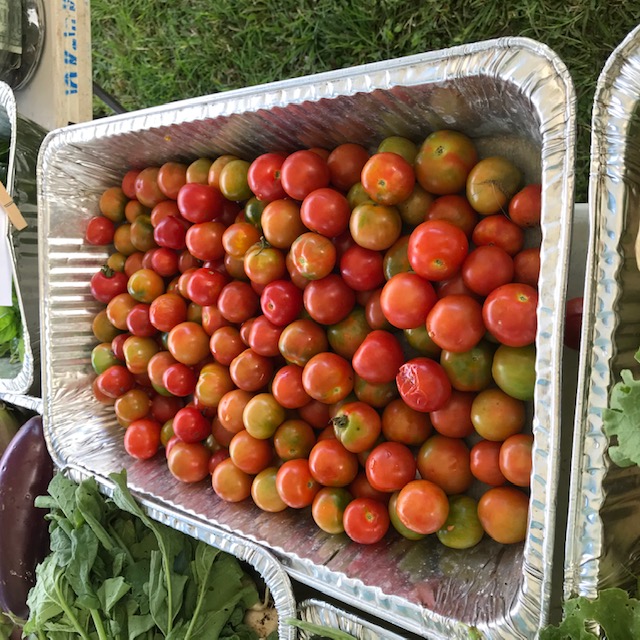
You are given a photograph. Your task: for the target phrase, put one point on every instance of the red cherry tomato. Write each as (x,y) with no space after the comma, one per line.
(361,268)
(455,323)
(423,384)
(484,462)
(188,462)
(406,300)
(264,177)
(366,520)
(331,464)
(142,438)
(500,231)
(281,302)
(100,231)
(179,380)
(329,299)
(295,484)
(200,202)
(379,358)
(387,178)
(106,284)
(509,313)
(190,425)
(455,209)
(171,232)
(345,164)
(139,322)
(526,266)
(422,506)
(487,268)
(437,249)
(326,211)
(129,183)
(516,459)
(303,172)
(525,207)
(390,466)
(204,286)
(263,336)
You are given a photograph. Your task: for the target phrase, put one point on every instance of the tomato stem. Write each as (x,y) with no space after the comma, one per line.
(340,422)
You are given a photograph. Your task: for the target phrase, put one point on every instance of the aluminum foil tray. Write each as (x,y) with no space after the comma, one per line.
(603,547)
(23,377)
(513,96)
(327,615)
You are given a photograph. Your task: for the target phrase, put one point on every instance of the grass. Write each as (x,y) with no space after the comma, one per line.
(149,52)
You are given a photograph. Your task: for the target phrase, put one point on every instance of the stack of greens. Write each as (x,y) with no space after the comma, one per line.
(113,573)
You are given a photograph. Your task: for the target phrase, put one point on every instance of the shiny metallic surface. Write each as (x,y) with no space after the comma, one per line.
(326,615)
(26,137)
(514,97)
(30,403)
(602,545)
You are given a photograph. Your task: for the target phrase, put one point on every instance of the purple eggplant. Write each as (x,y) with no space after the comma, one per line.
(25,472)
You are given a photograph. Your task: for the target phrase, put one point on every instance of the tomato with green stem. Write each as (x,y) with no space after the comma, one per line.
(357,425)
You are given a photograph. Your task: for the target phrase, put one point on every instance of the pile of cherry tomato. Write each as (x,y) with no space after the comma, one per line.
(345,331)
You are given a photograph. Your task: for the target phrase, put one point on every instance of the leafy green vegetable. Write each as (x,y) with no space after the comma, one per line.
(614,610)
(11,342)
(115,573)
(622,420)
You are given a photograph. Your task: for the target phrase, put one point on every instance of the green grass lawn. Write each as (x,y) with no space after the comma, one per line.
(149,52)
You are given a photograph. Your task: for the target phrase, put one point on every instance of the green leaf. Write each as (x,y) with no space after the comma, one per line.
(143,547)
(90,504)
(205,557)
(63,491)
(614,610)
(60,543)
(137,575)
(111,591)
(139,625)
(10,324)
(84,550)
(157,591)
(622,420)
